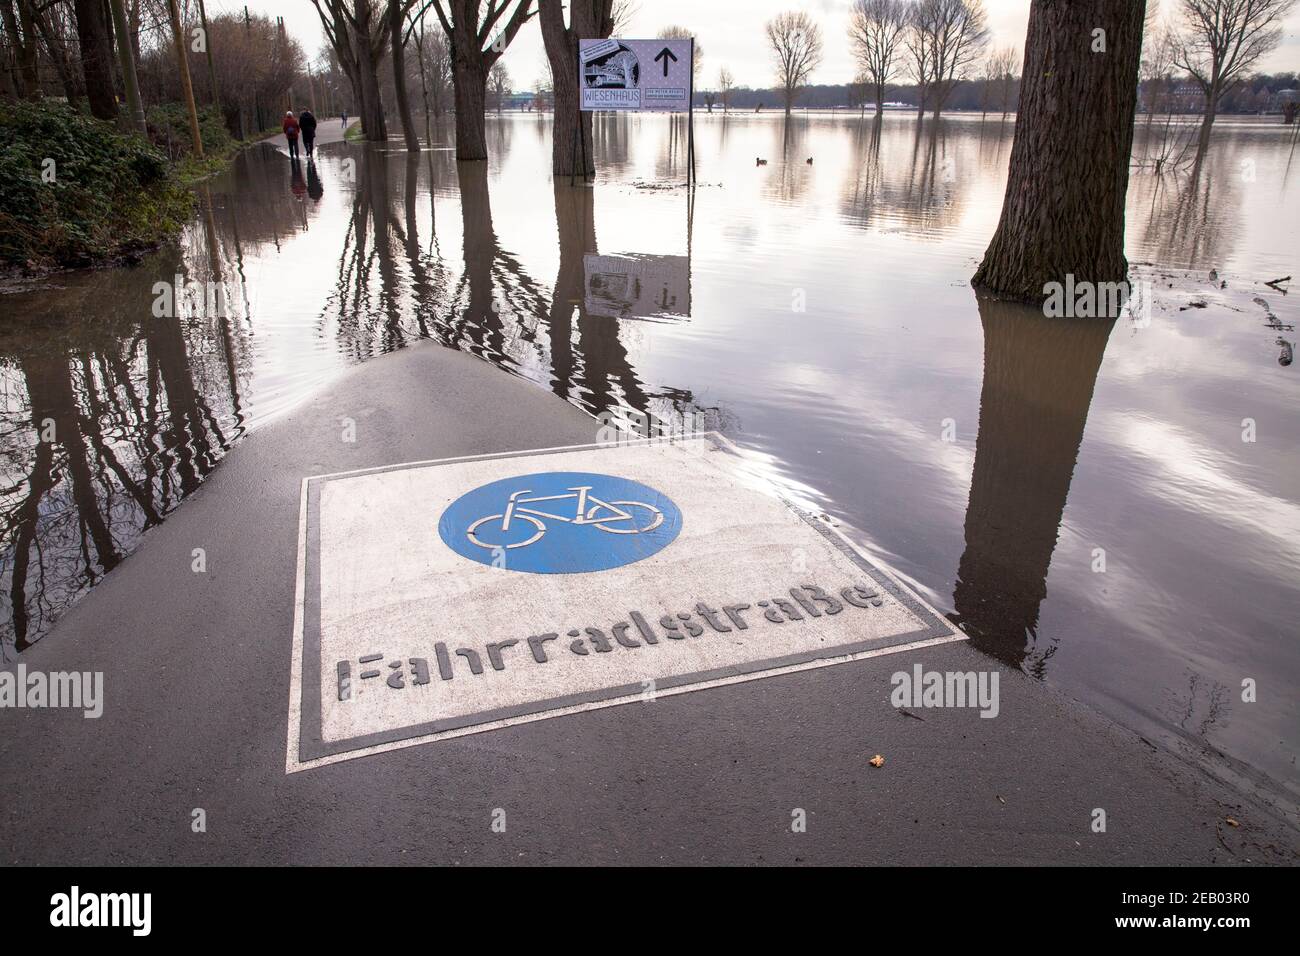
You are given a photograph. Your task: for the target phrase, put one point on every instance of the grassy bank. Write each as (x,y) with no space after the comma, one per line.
(76,191)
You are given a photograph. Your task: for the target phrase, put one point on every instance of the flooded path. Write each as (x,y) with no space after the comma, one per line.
(818,313)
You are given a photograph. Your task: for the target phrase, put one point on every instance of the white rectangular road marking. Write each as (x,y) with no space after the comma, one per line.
(400,640)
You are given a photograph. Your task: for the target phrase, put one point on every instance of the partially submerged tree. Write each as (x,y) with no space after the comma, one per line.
(1007,63)
(478,32)
(795,42)
(920,56)
(958,32)
(398,36)
(726,83)
(1221,40)
(358,31)
(588,20)
(877,29)
(1063,212)
(499,84)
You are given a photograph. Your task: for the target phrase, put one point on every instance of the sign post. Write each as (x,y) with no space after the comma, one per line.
(640,76)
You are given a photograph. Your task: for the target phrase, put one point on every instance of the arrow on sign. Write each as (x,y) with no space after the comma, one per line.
(665,54)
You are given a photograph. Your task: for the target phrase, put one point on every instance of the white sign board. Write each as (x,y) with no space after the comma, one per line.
(638,75)
(449,597)
(638,287)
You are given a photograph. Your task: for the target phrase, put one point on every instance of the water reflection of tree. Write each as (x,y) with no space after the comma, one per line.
(1039,375)
(914,183)
(109,425)
(1187,209)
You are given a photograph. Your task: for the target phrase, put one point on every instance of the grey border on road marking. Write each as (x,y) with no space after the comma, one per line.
(311,746)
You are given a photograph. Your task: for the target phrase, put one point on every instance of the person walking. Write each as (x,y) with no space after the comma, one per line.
(307,123)
(344,117)
(290,127)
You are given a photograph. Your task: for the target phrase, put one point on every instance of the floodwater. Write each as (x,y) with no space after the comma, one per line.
(1080,495)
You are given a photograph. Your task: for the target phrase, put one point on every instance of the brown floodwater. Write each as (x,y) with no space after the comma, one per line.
(817,313)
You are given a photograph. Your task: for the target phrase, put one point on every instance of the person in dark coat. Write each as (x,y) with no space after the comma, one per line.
(307,123)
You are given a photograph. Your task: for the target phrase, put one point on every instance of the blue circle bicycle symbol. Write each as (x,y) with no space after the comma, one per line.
(560,522)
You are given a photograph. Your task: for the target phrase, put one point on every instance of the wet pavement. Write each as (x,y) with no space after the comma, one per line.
(197,689)
(818,315)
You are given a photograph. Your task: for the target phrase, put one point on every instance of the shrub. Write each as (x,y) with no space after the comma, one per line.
(111,192)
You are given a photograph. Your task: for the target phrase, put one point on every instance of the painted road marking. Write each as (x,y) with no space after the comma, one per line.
(450,597)
(560,522)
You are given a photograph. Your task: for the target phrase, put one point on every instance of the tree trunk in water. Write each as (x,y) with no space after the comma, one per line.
(1211,111)
(366,85)
(588,21)
(1063,213)
(96,57)
(470,88)
(396,19)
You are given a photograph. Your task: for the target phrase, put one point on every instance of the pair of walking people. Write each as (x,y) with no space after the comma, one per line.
(305,123)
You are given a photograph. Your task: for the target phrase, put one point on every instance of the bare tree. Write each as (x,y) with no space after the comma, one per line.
(478,32)
(1159,50)
(726,83)
(357,30)
(877,29)
(958,34)
(499,84)
(675,32)
(796,46)
(587,21)
(1221,40)
(1002,66)
(919,47)
(1063,211)
(399,35)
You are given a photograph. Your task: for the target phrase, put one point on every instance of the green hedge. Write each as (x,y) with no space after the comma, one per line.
(169,128)
(112,192)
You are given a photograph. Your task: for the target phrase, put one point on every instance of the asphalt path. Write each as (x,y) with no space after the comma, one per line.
(197,669)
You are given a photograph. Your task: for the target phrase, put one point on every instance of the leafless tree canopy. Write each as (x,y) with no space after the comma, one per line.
(876,30)
(1222,39)
(675,32)
(796,44)
(955,33)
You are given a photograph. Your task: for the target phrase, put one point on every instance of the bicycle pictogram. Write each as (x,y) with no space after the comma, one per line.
(520,512)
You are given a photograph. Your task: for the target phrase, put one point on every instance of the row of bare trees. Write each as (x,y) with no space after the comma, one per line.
(935,42)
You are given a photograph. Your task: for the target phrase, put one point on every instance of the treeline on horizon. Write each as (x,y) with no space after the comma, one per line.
(1252,95)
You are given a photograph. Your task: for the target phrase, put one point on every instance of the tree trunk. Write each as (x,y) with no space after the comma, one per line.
(1063,212)
(396,19)
(588,21)
(470,88)
(21,28)
(1211,111)
(366,87)
(96,57)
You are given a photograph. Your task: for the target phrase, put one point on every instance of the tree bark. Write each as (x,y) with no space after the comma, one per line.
(1063,212)
(469,82)
(569,154)
(397,20)
(96,57)
(366,86)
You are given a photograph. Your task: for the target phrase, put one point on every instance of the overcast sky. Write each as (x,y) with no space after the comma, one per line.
(729,32)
